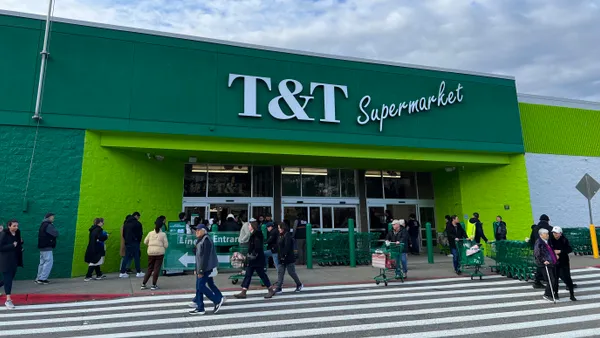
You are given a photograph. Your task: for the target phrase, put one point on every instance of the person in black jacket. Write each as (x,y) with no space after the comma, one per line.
(543,224)
(132,235)
(562,248)
(414,230)
(256,260)
(94,254)
(47,235)
(287,260)
(455,232)
(479,233)
(11,257)
(272,237)
(399,235)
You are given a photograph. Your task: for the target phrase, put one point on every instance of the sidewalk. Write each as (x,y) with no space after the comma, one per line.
(75,289)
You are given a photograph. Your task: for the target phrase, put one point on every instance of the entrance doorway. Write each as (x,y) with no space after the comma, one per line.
(307,213)
(219,212)
(323,218)
(378,218)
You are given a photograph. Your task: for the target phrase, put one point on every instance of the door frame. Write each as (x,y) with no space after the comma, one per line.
(300,205)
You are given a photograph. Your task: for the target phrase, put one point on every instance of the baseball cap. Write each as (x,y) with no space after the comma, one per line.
(200,227)
(252,220)
(558,230)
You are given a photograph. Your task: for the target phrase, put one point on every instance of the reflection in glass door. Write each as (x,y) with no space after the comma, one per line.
(427,214)
(377,220)
(307,213)
(219,212)
(195,214)
(260,210)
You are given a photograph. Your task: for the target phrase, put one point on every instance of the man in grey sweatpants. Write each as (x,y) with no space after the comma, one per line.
(47,235)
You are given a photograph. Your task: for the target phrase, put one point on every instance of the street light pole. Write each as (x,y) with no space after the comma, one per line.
(44,53)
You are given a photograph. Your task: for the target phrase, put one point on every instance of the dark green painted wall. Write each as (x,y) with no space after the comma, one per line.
(116,80)
(53,187)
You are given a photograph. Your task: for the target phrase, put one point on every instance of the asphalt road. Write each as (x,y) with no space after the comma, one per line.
(452,307)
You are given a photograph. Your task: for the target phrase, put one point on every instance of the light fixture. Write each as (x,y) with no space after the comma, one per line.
(192,159)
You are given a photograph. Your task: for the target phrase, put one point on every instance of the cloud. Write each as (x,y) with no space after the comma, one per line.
(550,46)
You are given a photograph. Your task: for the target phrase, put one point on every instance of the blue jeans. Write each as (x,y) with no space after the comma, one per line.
(401,258)
(46,263)
(132,251)
(205,286)
(268,254)
(454,252)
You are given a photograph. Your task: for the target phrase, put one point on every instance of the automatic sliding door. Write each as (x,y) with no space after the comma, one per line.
(341,215)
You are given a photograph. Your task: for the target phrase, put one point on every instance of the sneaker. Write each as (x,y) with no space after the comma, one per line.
(123,275)
(538,285)
(87,279)
(196,312)
(154,287)
(9,304)
(299,288)
(547,298)
(218,305)
(278,291)
(100,277)
(38,282)
(140,275)
(143,287)
(193,305)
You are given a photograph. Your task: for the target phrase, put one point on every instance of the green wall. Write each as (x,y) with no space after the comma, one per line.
(560,130)
(115,183)
(103,79)
(53,187)
(487,190)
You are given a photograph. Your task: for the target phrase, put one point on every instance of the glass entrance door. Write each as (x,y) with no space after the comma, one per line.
(219,212)
(377,221)
(307,213)
(195,213)
(258,210)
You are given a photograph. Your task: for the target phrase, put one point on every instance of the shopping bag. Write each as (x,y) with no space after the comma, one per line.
(214,273)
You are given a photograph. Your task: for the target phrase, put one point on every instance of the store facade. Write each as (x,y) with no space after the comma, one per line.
(155,123)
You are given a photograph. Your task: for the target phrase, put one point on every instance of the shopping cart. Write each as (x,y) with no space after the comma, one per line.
(387,258)
(239,260)
(470,256)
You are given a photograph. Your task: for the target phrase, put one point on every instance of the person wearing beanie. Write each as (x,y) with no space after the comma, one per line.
(562,248)
(47,235)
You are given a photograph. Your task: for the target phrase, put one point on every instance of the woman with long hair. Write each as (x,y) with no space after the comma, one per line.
(256,260)
(95,252)
(157,243)
(11,257)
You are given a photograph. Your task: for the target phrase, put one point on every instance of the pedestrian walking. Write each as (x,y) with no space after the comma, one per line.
(478,229)
(206,266)
(256,260)
(132,235)
(287,261)
(95,252)
(271,251)
(455,233)
(11,257)
(562,248)
(500,229)
(414,230)
(546,259)
(300,237)
(47,236)
(544,223)
(157,243)
(399,235)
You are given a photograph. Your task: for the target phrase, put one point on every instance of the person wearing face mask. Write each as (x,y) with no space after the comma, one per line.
(546,259)
(562,249)
(11,257)
(256,260)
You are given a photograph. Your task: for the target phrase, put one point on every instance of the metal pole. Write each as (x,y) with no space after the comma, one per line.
(429,242)
(590,210)
(44,53)
(309,246)
(352,243)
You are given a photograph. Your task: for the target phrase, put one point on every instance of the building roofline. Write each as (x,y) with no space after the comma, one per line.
(558,101)
(247,45)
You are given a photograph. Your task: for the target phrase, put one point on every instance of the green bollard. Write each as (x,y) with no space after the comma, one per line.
(429,243)
(309,246)
(263,228)
(352,243)
(390,227)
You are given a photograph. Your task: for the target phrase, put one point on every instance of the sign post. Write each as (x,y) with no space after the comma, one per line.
(588,187)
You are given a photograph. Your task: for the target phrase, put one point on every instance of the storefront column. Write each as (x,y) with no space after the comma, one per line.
(277,193)
(362,201)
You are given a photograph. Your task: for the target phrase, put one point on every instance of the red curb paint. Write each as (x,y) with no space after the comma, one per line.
(41,298)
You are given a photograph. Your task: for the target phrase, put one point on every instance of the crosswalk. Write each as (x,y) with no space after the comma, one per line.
(426,308)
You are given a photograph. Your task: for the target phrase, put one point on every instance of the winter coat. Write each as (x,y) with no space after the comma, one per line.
(413,227)
(10,256)
(206,255)
(542,254)
(244,233)
(400,236)
(565,248)
(157,243)
(300,229)
(500,233)
(256,249)
(454,232)
(285,248)
(273,237)
(535,231)
(95,249)
(230,225)
(47,235)
(133,231)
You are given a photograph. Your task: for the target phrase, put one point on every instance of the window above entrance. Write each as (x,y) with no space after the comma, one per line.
(214,180)
(318,182)
(394,184)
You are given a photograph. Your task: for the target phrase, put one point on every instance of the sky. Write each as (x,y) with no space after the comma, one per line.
(551,47)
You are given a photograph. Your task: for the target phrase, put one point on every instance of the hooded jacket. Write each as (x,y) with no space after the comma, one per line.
(95,249)
(10,256)
(565,248)
(132,231)
(535,231)
(285,248)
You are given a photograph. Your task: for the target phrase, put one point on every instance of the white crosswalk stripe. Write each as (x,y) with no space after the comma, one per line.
(426,308)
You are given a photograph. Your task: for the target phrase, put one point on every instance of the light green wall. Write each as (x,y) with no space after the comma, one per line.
(486,190)
(560,130)
(115,183)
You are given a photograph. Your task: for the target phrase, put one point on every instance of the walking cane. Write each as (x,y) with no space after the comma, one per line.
(550,283)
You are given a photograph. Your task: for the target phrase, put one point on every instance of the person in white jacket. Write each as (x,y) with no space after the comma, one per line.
(245,237)
(157,243)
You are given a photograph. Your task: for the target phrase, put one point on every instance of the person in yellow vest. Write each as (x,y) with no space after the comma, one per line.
(475,229)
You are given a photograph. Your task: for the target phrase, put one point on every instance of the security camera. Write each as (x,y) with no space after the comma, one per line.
(449,169)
